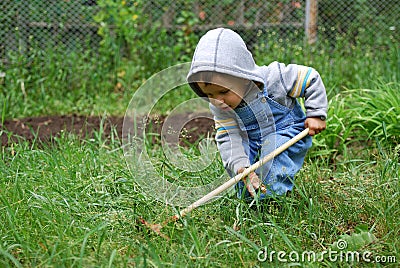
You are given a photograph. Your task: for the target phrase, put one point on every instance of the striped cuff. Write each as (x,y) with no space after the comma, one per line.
(224,126)
(303,81)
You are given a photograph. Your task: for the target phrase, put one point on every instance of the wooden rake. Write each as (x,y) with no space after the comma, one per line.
(228,184)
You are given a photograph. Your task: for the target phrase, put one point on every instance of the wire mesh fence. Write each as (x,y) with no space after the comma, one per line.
(41,24)
(75,24)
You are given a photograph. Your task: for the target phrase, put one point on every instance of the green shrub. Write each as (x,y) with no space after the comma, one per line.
(358,118)
(131,33)
(369,23)
(378,111)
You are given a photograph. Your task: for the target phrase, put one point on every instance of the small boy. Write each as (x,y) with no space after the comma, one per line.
(256,110)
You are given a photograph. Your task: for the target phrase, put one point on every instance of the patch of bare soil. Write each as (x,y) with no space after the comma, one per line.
(43,128)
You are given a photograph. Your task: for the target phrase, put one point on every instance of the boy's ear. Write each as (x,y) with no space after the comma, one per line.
(195,87)
(259,85)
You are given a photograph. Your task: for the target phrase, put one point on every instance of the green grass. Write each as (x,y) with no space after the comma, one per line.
(73,202)
(50,82)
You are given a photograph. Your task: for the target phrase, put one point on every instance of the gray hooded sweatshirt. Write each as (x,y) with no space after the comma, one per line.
(224,51)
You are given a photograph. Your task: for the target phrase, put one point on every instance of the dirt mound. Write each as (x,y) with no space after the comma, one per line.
(45,127)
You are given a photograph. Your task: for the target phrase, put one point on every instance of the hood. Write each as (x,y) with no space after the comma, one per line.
(224,51)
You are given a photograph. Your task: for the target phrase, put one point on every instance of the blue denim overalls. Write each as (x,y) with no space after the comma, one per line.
(268,125)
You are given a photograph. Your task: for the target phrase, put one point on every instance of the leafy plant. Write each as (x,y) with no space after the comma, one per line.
(378,111)
(130,33)
(354,242)
(342,129)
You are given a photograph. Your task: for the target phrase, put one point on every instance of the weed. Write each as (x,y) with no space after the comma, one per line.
(73,202)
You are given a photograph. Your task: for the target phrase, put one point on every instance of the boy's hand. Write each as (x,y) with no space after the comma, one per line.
(315,124)
(252,182)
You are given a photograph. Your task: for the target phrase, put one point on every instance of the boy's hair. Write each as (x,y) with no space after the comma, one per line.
(206,77)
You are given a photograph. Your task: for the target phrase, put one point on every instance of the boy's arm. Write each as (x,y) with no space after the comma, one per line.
(229,141)
(303,81)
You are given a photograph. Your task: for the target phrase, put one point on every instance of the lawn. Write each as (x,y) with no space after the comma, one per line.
(72,201)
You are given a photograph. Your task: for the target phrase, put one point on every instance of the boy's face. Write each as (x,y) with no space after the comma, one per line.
(225,92)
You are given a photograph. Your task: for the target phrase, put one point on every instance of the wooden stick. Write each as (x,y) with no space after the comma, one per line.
(242,175)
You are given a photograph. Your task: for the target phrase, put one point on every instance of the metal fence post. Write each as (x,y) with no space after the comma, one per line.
(311,21)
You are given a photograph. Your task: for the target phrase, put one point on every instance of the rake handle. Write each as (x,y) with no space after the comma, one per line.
(242,175)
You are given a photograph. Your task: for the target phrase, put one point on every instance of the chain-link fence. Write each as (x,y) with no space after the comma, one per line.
(370,21)
(71,24)
(43,24)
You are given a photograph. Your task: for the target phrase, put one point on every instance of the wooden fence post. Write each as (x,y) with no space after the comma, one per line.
(311,21)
